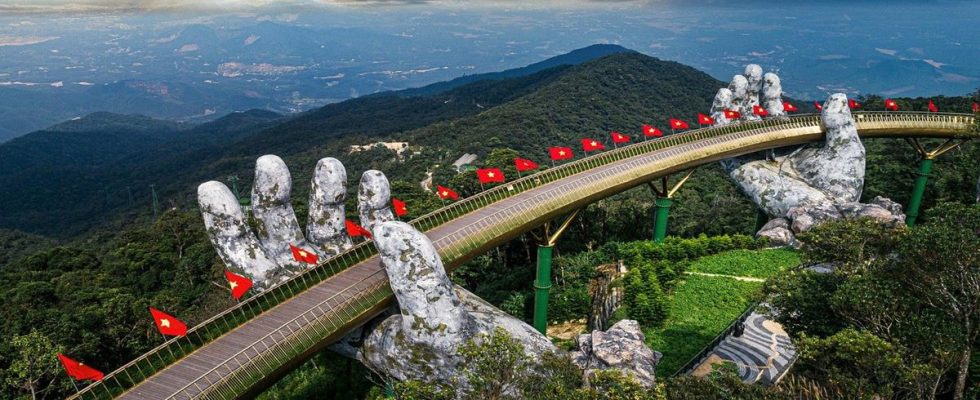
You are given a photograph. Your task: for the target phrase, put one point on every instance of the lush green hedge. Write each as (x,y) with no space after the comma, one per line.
(699,309)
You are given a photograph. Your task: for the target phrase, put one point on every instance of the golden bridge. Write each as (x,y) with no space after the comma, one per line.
(246,348)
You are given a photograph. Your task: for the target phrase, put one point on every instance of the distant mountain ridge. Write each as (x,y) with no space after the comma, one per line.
(574,57)
(527,112)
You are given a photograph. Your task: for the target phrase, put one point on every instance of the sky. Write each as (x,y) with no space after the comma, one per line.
(56,6)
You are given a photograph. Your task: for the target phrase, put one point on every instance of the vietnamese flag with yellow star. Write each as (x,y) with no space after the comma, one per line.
(932,107)
(78,370)
(705,120)
(560,153)
(523,164)
(650,131)
(732,114)
(399,206)
(891,105)
(446,193)
(789,107)
(239,284)
(678,124)
(354,229)
(758,110)
(303,255)
(592,145)
(487,175)
(619,137)
(817,106)
(167,324)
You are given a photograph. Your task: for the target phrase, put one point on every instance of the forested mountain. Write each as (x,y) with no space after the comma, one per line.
(118,183)
(574,57)
(60,181)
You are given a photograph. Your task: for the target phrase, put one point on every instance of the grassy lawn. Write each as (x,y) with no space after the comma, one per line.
(752,263)
(702,306)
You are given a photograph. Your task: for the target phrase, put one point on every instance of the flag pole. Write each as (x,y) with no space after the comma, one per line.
(168,347)
(482,189)
(75,385)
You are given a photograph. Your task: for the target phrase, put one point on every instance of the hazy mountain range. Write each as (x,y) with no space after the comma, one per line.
(197,67)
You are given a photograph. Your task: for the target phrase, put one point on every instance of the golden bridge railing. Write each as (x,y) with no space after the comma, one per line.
(134,372)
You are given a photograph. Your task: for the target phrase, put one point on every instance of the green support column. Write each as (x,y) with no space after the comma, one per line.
(912,213)
(541,287)
(660,218)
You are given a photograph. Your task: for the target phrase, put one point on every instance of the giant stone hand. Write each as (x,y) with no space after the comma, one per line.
(812,183)
(435,317)
(265,254)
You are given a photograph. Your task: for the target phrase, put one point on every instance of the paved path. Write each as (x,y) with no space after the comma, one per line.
(763,353)
(735,277)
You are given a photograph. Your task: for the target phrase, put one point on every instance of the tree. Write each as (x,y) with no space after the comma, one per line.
(940,263)
(35,364)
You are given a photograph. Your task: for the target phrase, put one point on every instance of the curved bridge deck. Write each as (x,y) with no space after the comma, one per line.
(248,347)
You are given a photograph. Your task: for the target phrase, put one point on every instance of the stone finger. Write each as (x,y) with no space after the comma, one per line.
(230,235)
(325,226)
(425,294)
(373,197)
(278,228)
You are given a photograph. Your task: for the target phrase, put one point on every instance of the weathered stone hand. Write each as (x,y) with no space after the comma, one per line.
(811,184)
(436,316)
(265,255)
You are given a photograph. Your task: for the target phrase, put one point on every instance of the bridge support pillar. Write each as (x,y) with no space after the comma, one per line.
(922,178)
(662,202)
(912,212)
(542,287)
(542,281)
(661,214)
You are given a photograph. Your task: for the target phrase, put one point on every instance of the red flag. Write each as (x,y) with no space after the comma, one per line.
(399,207)
(649,131)
(590,145)
(523,164)
(976,107)
(817,106)
(678,124)
(619,137)
(853,104)
(560,153)
(758,110)
(446,193)
(302,255)
(78,370)
(487,175)
(239,284)
(789,107)
(705,120)
(932,107)
(891,105)
(354,230)
(167,324)
(732,114)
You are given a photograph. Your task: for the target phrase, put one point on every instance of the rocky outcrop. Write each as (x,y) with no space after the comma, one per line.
(812,184)
(621,347)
